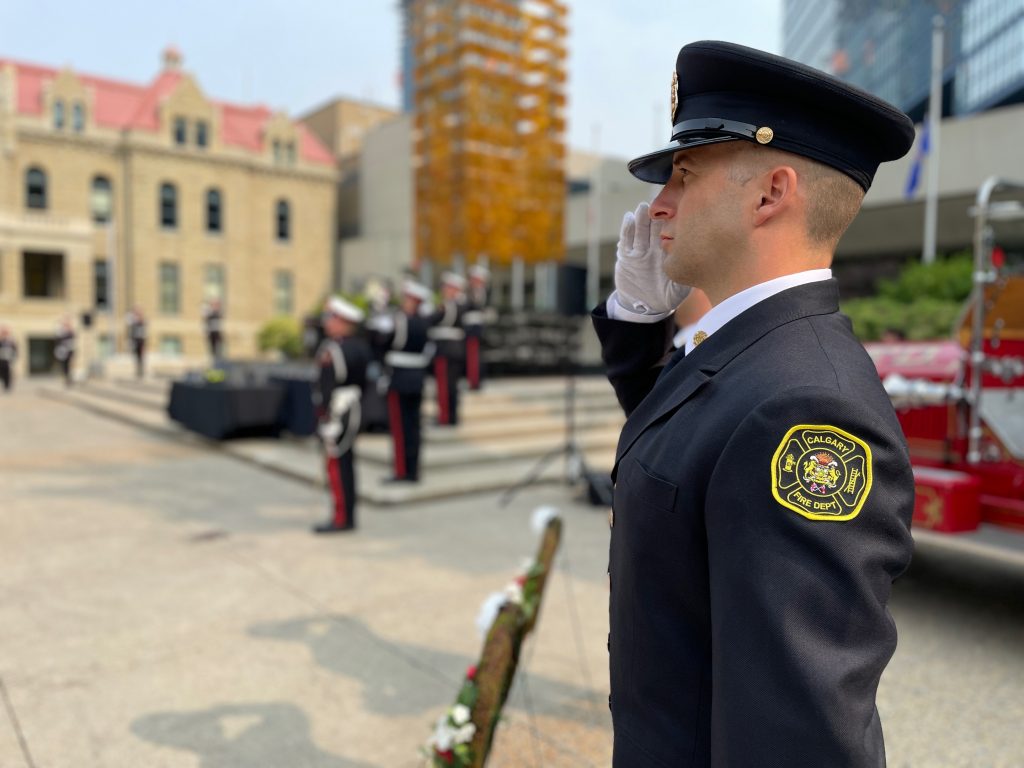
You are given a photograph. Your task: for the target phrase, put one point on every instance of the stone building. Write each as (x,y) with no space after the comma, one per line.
(114,195)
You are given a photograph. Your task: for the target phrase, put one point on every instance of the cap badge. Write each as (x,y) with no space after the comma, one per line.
(674,102)
(764,134)
(822,472)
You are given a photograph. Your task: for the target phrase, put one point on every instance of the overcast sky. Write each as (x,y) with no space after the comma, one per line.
(297,54)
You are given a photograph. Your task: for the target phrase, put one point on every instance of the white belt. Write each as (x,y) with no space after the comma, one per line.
(446,333)
(399,359)
(343,398)
(473,318)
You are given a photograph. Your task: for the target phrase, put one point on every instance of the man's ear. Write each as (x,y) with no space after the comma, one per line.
(778,191)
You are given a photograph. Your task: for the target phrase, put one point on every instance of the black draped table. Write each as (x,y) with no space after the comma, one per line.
(223,410)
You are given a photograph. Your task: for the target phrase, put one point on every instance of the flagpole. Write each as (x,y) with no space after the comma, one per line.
(931,205)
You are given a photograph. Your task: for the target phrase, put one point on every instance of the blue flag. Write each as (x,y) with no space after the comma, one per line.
(914,176)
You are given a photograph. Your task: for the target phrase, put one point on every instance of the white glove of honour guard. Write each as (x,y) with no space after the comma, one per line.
(641,285)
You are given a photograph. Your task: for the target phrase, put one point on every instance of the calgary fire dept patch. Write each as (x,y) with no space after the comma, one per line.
(821,472)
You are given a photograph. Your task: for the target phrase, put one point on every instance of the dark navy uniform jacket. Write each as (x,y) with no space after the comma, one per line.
(447,330)
(407,356)
(762,508)
(341,362)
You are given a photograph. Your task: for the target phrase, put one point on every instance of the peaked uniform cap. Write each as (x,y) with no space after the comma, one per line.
(453,279)
(344,309)
(416,290)
(728,92)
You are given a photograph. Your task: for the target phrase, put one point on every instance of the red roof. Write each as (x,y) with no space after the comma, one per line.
(123,105)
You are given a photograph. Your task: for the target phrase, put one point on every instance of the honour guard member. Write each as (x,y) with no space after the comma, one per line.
(8,354)
(476,309)
(406,359)
(213,327)
(342,360)
(449,335)
(136,324)
(64,348)
(763,489)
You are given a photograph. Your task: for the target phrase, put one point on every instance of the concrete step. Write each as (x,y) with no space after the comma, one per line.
(140,397)
(491,429)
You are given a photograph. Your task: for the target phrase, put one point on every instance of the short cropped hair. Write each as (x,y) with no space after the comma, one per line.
(833,198)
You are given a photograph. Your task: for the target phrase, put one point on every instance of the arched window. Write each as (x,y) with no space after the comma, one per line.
(58,114)
(283,220)
(35,188)
(78,117)
(102,199)
(213,211)
(168,206)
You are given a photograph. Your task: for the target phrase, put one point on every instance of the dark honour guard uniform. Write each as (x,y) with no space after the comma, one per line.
(213,327)
(136,325)
(406,359)
(475,319)
(8,355)
(342,359)
(763,490)
(449,336)
(64,349)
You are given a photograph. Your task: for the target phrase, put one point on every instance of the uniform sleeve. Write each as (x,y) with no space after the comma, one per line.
(808,515)
(633,354)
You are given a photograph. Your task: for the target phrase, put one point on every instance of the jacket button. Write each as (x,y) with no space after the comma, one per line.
(609,642)
(609,701)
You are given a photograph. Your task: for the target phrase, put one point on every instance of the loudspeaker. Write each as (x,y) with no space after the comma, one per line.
(572,290)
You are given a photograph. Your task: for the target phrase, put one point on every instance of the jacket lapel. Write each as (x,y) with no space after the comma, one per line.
(683,377)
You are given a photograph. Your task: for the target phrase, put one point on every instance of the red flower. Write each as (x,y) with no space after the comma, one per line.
(471,672)
(448,756)
(521,580)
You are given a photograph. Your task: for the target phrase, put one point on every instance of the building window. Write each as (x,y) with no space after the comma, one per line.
(290,152)
(35,188)
(43,275)
(214,283)
(213,211)
(283,301)
(58,114)
(170,346)
(201,137)
(277,151)
(168,206)
(283,220)
(101,284)
(101,199)
(180,131)
(170,289)
(105,346)
(78,117)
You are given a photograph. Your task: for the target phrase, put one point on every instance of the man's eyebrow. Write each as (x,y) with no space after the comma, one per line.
(682,158)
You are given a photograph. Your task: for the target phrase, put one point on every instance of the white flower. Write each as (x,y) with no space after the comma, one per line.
(489,612)
(514,593)
(460,714)
(444,735)
(541,517)
(465,734)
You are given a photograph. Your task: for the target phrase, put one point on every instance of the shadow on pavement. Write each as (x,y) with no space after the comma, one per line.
(404,679)
(241,736)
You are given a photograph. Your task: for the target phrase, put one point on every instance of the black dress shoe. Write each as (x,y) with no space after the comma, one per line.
(332,528)
(392,480)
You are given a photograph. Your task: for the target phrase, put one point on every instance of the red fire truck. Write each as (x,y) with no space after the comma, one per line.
(961,401)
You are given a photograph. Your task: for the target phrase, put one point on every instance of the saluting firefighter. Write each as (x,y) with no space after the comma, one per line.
(213,327)
(342,359)
(449,336)
(64,348)
(763,488)
(136,324)
(403,336)
(8,354)
(475,319)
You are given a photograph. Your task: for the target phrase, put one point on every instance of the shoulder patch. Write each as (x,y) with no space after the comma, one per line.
(821,472)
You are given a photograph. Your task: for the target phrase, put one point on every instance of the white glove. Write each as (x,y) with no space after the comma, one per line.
(640,282)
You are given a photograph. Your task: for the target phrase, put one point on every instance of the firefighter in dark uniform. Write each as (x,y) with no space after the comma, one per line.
(449,336)
(213,327)
(475,319)
(402,335)
(8,355)
(763,489)
(341,359)
(64,349)
(136,325)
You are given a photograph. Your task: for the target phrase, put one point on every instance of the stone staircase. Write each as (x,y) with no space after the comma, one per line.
(512,429)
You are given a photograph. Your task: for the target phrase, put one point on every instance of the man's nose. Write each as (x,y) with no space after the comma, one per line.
(663,206)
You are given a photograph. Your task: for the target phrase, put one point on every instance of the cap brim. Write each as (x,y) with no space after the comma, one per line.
(656,167)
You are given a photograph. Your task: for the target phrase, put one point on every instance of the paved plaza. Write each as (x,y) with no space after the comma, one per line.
(163,604)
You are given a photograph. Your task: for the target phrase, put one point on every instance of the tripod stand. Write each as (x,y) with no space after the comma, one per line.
(575,463)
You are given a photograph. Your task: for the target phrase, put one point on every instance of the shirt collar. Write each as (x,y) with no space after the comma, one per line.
(740,302)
